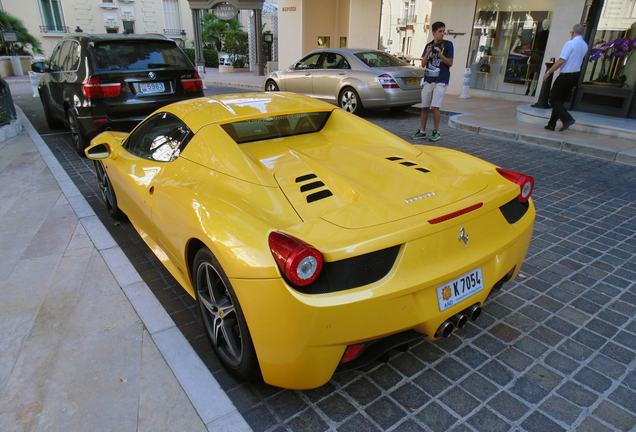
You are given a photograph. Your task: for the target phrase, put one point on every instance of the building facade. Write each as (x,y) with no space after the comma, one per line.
(405,28)
(51,20)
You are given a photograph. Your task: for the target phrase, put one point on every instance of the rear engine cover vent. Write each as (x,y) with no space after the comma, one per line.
(394,158)
(424,170)
(310,186)
(316,196)
(305,178)
(319,195)
(407,163)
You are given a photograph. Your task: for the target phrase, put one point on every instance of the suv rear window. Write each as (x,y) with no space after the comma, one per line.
(279,126)
(138,54)
(379,59)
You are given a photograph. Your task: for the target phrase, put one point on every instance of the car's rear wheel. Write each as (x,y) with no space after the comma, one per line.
(349,100)
(271,86)
(223,317)
(51,121)
(79,140)
(108,193)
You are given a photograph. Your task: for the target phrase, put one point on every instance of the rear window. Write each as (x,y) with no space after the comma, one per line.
(276,126)
(379,59)
(137,54)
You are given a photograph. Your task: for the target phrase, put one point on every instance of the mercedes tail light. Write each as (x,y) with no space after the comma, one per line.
(525,182)
(93,88)
(299,262)
(387,81)
(192,84)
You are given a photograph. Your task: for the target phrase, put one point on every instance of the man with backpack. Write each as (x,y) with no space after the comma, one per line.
(437,60)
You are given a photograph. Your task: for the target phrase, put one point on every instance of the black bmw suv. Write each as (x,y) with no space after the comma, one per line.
(112,81)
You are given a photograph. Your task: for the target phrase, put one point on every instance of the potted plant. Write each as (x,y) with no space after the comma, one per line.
(236,45)
(613,56)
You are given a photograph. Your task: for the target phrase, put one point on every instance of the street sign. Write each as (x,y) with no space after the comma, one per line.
(10,36)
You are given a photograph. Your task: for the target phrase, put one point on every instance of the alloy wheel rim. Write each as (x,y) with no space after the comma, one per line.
(104,185)
(219,314)
(73,128)
(271,87)
(349,101)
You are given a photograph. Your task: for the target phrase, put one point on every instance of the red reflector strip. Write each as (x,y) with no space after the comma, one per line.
(100,120)
(352,352)
(455,214)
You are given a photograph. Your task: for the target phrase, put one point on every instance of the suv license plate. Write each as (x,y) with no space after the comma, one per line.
(153,88)
(460,289)
(413,80)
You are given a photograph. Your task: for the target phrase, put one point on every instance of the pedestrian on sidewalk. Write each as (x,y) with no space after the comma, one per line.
(569,62)
(437,59)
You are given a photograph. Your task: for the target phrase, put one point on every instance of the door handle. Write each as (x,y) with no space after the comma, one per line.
(151,190)
(342,73)
(308,74)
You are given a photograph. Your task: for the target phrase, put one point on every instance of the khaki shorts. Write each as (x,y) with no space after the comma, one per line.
(432,94)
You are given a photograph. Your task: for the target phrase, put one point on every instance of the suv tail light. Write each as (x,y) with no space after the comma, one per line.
(193,84)
(299,262)
(387,81)
(92,88)
(525,182)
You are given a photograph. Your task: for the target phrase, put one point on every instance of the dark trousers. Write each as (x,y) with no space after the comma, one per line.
(560,90)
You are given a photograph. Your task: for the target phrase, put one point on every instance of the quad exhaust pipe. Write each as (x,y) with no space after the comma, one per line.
(458,321)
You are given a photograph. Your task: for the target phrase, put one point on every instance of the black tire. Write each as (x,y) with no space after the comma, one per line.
(350,101)
(51,121)
(271,86)
(79,140)
(223,317)
(108,193)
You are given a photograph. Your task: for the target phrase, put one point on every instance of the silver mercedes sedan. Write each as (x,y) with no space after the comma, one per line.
(354,79)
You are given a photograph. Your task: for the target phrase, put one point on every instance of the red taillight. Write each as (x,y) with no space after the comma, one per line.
(387,81)
(455,214)
(92,88)
(352,352)
(525,182)
(299,262)
(193,84)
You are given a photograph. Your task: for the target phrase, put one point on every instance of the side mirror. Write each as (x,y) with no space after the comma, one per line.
(98,151)
(293,67)
(38,67)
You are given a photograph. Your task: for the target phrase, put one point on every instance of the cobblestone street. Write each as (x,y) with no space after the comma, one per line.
(554,350)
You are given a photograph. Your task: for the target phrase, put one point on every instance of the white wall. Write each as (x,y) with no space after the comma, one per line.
(289,32)
(364,23)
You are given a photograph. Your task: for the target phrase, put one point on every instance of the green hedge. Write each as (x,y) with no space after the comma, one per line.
(211,57)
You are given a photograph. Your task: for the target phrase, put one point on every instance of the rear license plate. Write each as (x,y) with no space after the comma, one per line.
(153,88)
(413,80)
(460,289)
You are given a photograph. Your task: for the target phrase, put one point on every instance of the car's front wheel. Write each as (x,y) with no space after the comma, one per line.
(350,101)
(79,140)
(108,193)
(222,317)
(271,86)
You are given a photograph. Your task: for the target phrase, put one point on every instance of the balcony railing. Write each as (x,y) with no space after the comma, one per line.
(53,29)
(172,31)
(411,19)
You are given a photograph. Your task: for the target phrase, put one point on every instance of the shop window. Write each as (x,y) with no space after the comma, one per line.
(612,61)
(507,48)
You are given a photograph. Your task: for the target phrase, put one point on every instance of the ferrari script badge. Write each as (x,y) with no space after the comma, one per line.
(151,75)
(463,236)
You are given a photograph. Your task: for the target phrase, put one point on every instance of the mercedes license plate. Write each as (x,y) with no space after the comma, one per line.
(460,289)
(153,88)
(413,80)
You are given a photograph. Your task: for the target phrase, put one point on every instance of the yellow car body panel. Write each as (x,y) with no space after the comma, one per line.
(230,197)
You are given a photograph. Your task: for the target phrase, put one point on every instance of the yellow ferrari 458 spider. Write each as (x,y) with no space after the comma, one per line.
(313,241)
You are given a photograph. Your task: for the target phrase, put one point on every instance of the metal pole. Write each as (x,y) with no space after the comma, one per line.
(198,39)
(258,30)
(545,89)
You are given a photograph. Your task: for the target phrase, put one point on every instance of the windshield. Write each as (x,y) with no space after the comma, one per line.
(138,54)
(276,126)
(379,59)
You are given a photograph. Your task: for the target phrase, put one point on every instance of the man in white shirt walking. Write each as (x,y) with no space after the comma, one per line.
(569,62)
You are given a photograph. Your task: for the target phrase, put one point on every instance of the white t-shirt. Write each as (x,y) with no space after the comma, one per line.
(573,53)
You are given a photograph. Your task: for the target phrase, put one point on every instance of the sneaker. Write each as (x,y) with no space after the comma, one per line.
(436,135)
(419,135)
